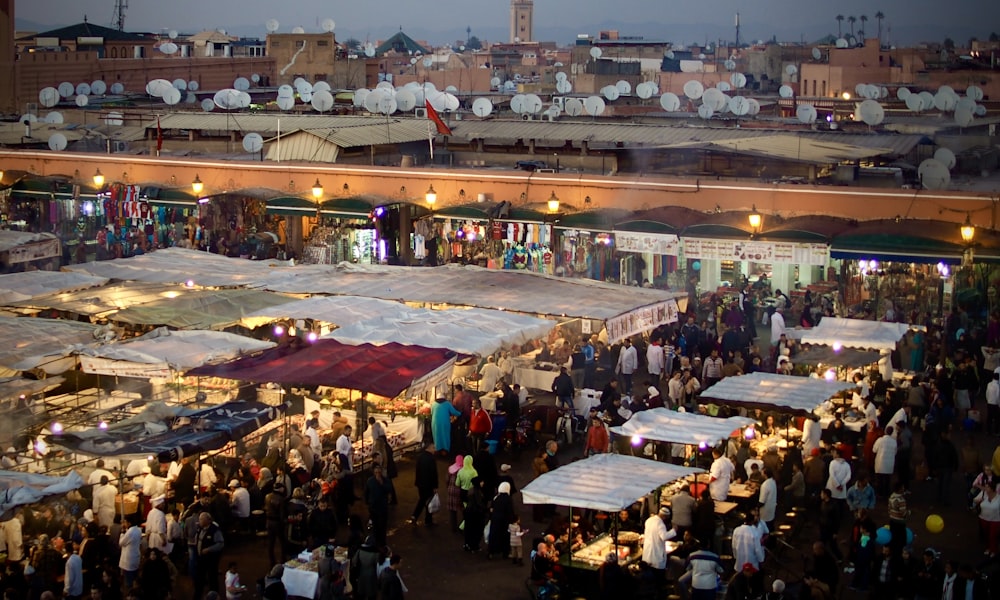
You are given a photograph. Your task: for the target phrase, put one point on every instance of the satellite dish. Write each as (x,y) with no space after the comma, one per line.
(903,93)
(914,103)
(730,65)
(705,112)
(482,107)
(806,113)
(495,82)
(66,89)
(974,92)
(286,91)
(82,100)
(114,119)
(739,80)
(739,106)
(242,84)
(385,86)
(328,25)
(284,102)
(48,97)
(57,141)
(670,102)
(532,104)
(945,157)
(387,105)
(180,84)
(945,101)
(451,89)
(190,98)
(786,91)
(965,103)
(723,86)
(372,100)
(841,43)
(509,86)
(83,89)
(963,118)
(370,51)
(118,88)
(428,62)
(305,88)
(172,34)
(693,89)
(947,89)
(861,90)
(933,174)
(669,54)
(54,118)
(701,56)
(791,70)
(610,92)
(322,101)
(271,25)
(255,78)
(927,99)
(168,48)
(172,96)
(406,100)
(561,76)
(227,99)
(564,87)
(715,99)
(193,85)
(643,91)
(852,41)
(624,87)
(817,54)
(873,92)
(158,87)
(98,87)
(517,104)
(883,92)
(594,106)
(253,142)
(871,112)
(979,111)
(595,52)
(29,117)
(553,111)
(574,107)
(306,97)
(298,30)
(362,94)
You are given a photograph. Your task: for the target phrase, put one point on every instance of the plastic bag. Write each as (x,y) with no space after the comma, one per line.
(434,504)
(486,531)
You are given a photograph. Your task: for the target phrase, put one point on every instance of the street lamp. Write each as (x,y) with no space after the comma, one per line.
(755,219)
(968,231)
(553,203)
(431,196)
(99,179)
(317,189)
(197,186)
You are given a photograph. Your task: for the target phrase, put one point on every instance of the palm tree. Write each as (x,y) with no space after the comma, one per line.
(852,20)
(878,17)
(840,21)
(864,19)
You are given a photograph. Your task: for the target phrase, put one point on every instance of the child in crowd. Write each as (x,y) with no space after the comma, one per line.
(234,590)
(516,533)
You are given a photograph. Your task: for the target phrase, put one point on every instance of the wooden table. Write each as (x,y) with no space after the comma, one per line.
(724,508)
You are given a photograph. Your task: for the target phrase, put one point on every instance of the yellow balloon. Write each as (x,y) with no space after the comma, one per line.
(934,523)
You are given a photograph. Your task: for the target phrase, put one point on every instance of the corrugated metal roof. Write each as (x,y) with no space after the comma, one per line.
(268,124)
(795,148)
(301,146)
(324,145)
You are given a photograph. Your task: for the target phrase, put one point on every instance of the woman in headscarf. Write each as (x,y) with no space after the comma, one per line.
(454,492)
(464,477)
(265,483)
(442,414)
(475,515)
(501,515)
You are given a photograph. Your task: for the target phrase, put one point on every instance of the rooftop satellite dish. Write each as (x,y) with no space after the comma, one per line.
(670,102)
(494,82)
(574,107)
(193,85)
(517,104)
(172,96)
(532,104)
(322,101)
(57,141)
(172,34)
(786,91)
(927,99)
(730,65)
(226,99)
(370,51)
(791,70)
(439,101)
(83,89)
(644,91)
(861,90)
(286,91)
(553,111)
(29,117)
(158,87)
(945,101)
(428,62)
(903,93)
(871,112)
(451,89)
(841,43)
(169,48)
(806,113)
(963,118)
(594,106)
(693,89)
(98,87)
(242,84)
(933,174)
(739,80)
(701,56)
(852,41)
(306,97)
(723,86)
(873,92)
(754,106)
(817,54)
(284,102)
(739,106)
(66,89)
(271,25)
(190,98)
(610,92)
(509,86)
(253,142)
(965,103)
(561,76)
(624,87)
(387,105)
(914,103)
(979,111)
(974,92)
(362,94)
(54,117)
(305,88)
(451,102)
(243,100)
(947,89)
(715,99)
(298,30)
(118,88)
(669,54)
(705,112)
(386,86)
(180,84)
(82,100)
(255,78)
(564,87)
(48,97)
(299,82)
(114,119)
(482,107)
(328,25)
(321,86)
(595,52)
(558,65)
(945,157)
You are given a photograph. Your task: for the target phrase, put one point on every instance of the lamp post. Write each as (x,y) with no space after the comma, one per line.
(317,190)
(99,179)
(968,231)
(197,186)
(756,220)
(553,203)
(431,196)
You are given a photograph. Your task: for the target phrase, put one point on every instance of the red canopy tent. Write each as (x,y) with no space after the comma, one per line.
(385,370)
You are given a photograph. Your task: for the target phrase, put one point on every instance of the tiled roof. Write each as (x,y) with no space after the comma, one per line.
(86,29)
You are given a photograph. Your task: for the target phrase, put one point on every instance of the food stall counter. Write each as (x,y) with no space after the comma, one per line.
(592,555)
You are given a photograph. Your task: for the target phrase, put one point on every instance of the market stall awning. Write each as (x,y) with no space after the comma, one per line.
(162,352)
(20,489)
(855,333)
(202,309)
(18,287)
(292,206)
(104,300)
(608,482)
(15,387)
(177,265)
(828,357)
(30,342)
(350,207)
(665,425)
(385,370)
(172,432)
(772,391)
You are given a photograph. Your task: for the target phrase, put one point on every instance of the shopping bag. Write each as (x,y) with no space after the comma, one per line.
(461,526)
(434,504)
(486,531)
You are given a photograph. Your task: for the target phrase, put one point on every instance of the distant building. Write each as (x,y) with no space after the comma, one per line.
(522,21)
(8,55)
(312,56)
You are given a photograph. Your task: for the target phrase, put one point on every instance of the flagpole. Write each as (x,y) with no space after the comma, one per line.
(277,142)
(430,136)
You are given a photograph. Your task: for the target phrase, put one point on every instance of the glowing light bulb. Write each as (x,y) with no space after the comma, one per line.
(279,331)
(749,433)
(830,375)
(313,336)
(636,440)
(189,283)
(103,425)
(837,346)
(56,428)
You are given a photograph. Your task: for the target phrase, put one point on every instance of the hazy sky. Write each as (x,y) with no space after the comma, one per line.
(442,21)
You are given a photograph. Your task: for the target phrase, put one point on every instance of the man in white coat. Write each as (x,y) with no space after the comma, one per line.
(777,325)
(885,461)
(721,475)
(746,543)
(840,475)
(812,432)
(156,526)
(628,362)
(654,539)
(768,498)
(103,502)
(655,360)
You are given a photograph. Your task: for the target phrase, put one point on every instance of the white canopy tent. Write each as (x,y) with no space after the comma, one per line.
(105,300)
(338,310)
(665,425)
(45,343)
(18,287)
(773,391)
(608,482)
(19,489)
(856,333)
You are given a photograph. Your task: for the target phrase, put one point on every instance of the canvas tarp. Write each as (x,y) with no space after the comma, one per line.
(20,489)
(105,300)
(665,425)
(161,352)
(172,432)
(31,342)
(202,309)
(608,482)
(828,357)
(856,333)
(385,370)
(18,287)
(800,395)
(12,388)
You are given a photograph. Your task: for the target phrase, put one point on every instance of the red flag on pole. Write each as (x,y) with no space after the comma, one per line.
(159,136)
(432,114)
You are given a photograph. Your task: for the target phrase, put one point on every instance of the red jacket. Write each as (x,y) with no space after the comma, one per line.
(480,422)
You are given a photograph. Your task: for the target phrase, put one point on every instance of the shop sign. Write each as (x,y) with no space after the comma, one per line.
(641,320)
(757,251)
(653,243)
(121,368)
(35,251)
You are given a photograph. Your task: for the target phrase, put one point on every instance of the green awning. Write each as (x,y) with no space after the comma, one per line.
(525,215)
(593,220)
(44,189)
(173,197)
(795,235)
(644,226)
(717,231)
(350,208)
(291,206)
(902,248)
(474,212)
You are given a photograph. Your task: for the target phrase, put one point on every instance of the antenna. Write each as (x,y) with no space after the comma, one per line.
(120,7)
(737,30)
